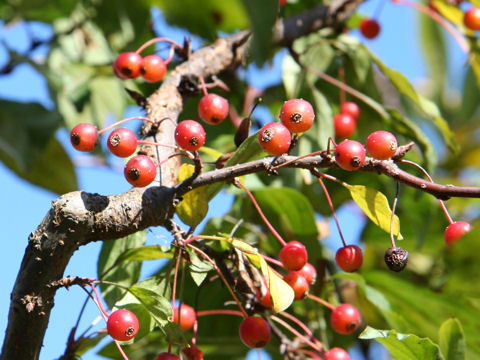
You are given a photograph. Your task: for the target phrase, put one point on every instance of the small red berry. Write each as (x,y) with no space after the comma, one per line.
(153,68)
(188,317)
(84,137)
(297,115)
(344,125)
(255,332)
(282,2)
(122,142)
(350,108)
(456,230)
(382,145)
(193,353)
(213,108)
(294,255)
(298,283)
(369,28)
(140,171)
(349,258)
(345,319)
(274,138)
(336,354)
(127,65)
(350,155)
(122,325)
(308,272)
(167,356)
(190,135)
(471,19)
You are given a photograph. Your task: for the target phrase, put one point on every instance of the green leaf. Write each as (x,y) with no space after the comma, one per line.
(451,340)
(323,119)
(124,274)
(199,268)
(157,305)
(429,108)
(375,205)
(434,51)
(37,10)
(150,252)
(28,146)
(262,15)
(207,19)
(404,346)
(282,294)
(248,150)
(194,206)
(84,344)
(292,76)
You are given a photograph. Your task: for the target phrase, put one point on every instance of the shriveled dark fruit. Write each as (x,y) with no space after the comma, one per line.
(396,259)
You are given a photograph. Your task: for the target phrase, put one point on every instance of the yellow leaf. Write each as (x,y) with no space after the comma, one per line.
(375,205)
(194,206)
(282,294)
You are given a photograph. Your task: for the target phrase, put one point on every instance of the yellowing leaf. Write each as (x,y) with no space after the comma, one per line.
(194,205)
(281,293)
(375,205)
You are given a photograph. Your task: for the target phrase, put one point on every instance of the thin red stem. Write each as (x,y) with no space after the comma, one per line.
(442,203)
(272,260)
(330,203)
(125,357)
(156,40)
(321,301)
(204,88)
(302,325)
(394,206)
(265,220)
(219,312)
(170,55)
(206,257)
(439,19)
(124,121)
(295,332)
(99,302)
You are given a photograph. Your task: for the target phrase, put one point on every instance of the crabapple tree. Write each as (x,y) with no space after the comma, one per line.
(339,134)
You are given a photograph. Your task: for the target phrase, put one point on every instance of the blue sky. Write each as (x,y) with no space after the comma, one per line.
(24,205)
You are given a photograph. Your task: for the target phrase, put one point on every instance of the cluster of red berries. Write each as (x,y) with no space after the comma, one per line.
(130,65)
(350,154)
(370,28)
(296,116)
(345,122)
(471,18)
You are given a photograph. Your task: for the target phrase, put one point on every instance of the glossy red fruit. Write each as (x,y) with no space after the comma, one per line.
(193,353)
(294,255)
(140,171)
(350,155)
(188,316)
(350,108)
(190,135)
(345,319)
(298,283)
(308,272)
(213,109)
(456,230)
(344,125)
(255,332)
(336,354)
(167,356)
(122,325)
(297,115)
(122,142)
(382,145)
(369,28)
(471,19)
(84,137)
(274,138)
(153,68)
(349,258)
(127,65)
